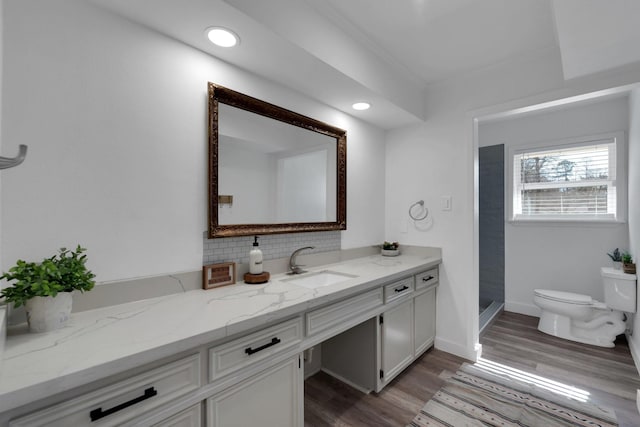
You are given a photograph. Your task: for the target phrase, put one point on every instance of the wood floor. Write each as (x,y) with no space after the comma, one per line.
(513,339)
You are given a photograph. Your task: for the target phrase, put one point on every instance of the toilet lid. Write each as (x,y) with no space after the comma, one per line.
(564,296)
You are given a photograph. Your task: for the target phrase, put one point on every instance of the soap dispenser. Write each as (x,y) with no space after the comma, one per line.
(255,258)
(256,274)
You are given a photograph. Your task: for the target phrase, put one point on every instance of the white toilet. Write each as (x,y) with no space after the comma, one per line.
(578,317)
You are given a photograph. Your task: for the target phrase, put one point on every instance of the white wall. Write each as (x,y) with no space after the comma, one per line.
(249,176)
(302,186)
(1,68)
(365,184)
(634,174)
(561,257)
(438,158)
(115,116)
(634,207)
(596,35)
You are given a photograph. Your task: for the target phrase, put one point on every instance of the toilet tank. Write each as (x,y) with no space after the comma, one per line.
(619,289)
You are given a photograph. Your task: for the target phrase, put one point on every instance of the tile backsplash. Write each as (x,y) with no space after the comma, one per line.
(273,246)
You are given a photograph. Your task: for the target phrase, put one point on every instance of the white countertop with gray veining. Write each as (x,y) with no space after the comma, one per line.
(99,343)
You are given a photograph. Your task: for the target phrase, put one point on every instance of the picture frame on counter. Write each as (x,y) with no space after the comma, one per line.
(216,275)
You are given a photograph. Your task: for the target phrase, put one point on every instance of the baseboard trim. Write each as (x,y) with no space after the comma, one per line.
(310,372)
(346,381)
(635,351)
(520,308)
(457,349)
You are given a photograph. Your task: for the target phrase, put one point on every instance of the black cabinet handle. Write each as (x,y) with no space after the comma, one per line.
(273,342)
(426,279)
(404,288)
(97,414)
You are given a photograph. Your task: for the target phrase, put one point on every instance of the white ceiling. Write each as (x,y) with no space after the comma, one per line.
(389,51)
(438,39)
(597,35)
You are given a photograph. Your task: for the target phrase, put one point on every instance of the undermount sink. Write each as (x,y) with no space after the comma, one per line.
(319,279)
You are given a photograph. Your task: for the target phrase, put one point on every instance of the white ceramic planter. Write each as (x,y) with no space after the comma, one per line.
(48,313)
(390,252)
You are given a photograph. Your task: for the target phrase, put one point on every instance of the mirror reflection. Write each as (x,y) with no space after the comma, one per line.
(276,173)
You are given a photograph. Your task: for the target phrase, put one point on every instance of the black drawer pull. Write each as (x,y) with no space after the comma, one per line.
(96,414)
(273,342)
(404,288)
(426,279)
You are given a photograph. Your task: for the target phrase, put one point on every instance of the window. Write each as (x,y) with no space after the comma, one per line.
(576,180)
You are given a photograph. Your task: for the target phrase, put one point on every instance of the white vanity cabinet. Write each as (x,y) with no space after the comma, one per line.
(406,330)
(249,350)
(191,417)
(368,356)
(255,375)
(424,303)
(120,403)
(273,397)
(424,320)
(396,341)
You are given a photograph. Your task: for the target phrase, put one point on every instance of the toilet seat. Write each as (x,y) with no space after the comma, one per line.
(566,297)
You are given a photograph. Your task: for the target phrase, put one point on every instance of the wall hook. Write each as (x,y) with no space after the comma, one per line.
(7,162)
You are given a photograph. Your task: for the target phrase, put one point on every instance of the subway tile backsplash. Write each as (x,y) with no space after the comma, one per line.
(273,246)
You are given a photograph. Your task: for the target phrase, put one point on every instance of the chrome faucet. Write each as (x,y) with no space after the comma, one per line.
(293,267)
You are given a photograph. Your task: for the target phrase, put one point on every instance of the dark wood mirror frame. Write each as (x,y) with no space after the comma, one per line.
(226,96)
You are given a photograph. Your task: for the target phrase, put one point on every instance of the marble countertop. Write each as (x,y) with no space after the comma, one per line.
(99,343)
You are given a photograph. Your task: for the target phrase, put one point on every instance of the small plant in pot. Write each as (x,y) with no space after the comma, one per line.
(628,265)
(45,288)
(390,248)
(616,257)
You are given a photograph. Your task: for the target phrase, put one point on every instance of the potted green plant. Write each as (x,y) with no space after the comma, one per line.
(390,249)
(628,265)
(45,288)
(616,257)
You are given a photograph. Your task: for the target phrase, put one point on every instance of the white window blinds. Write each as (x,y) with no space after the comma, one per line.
(577,181)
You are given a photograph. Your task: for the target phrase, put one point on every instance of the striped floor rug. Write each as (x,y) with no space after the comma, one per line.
(474,397)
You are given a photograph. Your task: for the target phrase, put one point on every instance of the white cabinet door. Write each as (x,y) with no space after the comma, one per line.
(396,341)
(188,418)
(425,320)
(273,397)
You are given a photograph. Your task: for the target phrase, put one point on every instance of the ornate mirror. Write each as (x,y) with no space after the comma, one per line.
(272,170)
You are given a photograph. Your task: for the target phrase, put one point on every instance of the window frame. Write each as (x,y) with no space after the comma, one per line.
(617,137)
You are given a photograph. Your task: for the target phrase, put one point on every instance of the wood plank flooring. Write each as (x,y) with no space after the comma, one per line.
(609,375)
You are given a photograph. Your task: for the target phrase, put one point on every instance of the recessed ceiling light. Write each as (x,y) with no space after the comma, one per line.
(222,37)
(361,106)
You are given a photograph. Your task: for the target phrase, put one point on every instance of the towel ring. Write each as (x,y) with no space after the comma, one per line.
(6,162)
(426,211)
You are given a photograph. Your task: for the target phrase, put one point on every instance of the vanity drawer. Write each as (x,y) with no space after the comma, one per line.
(337,313)
(120,402)
(427,278)
(396,290)
(190,417)
(248,350)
